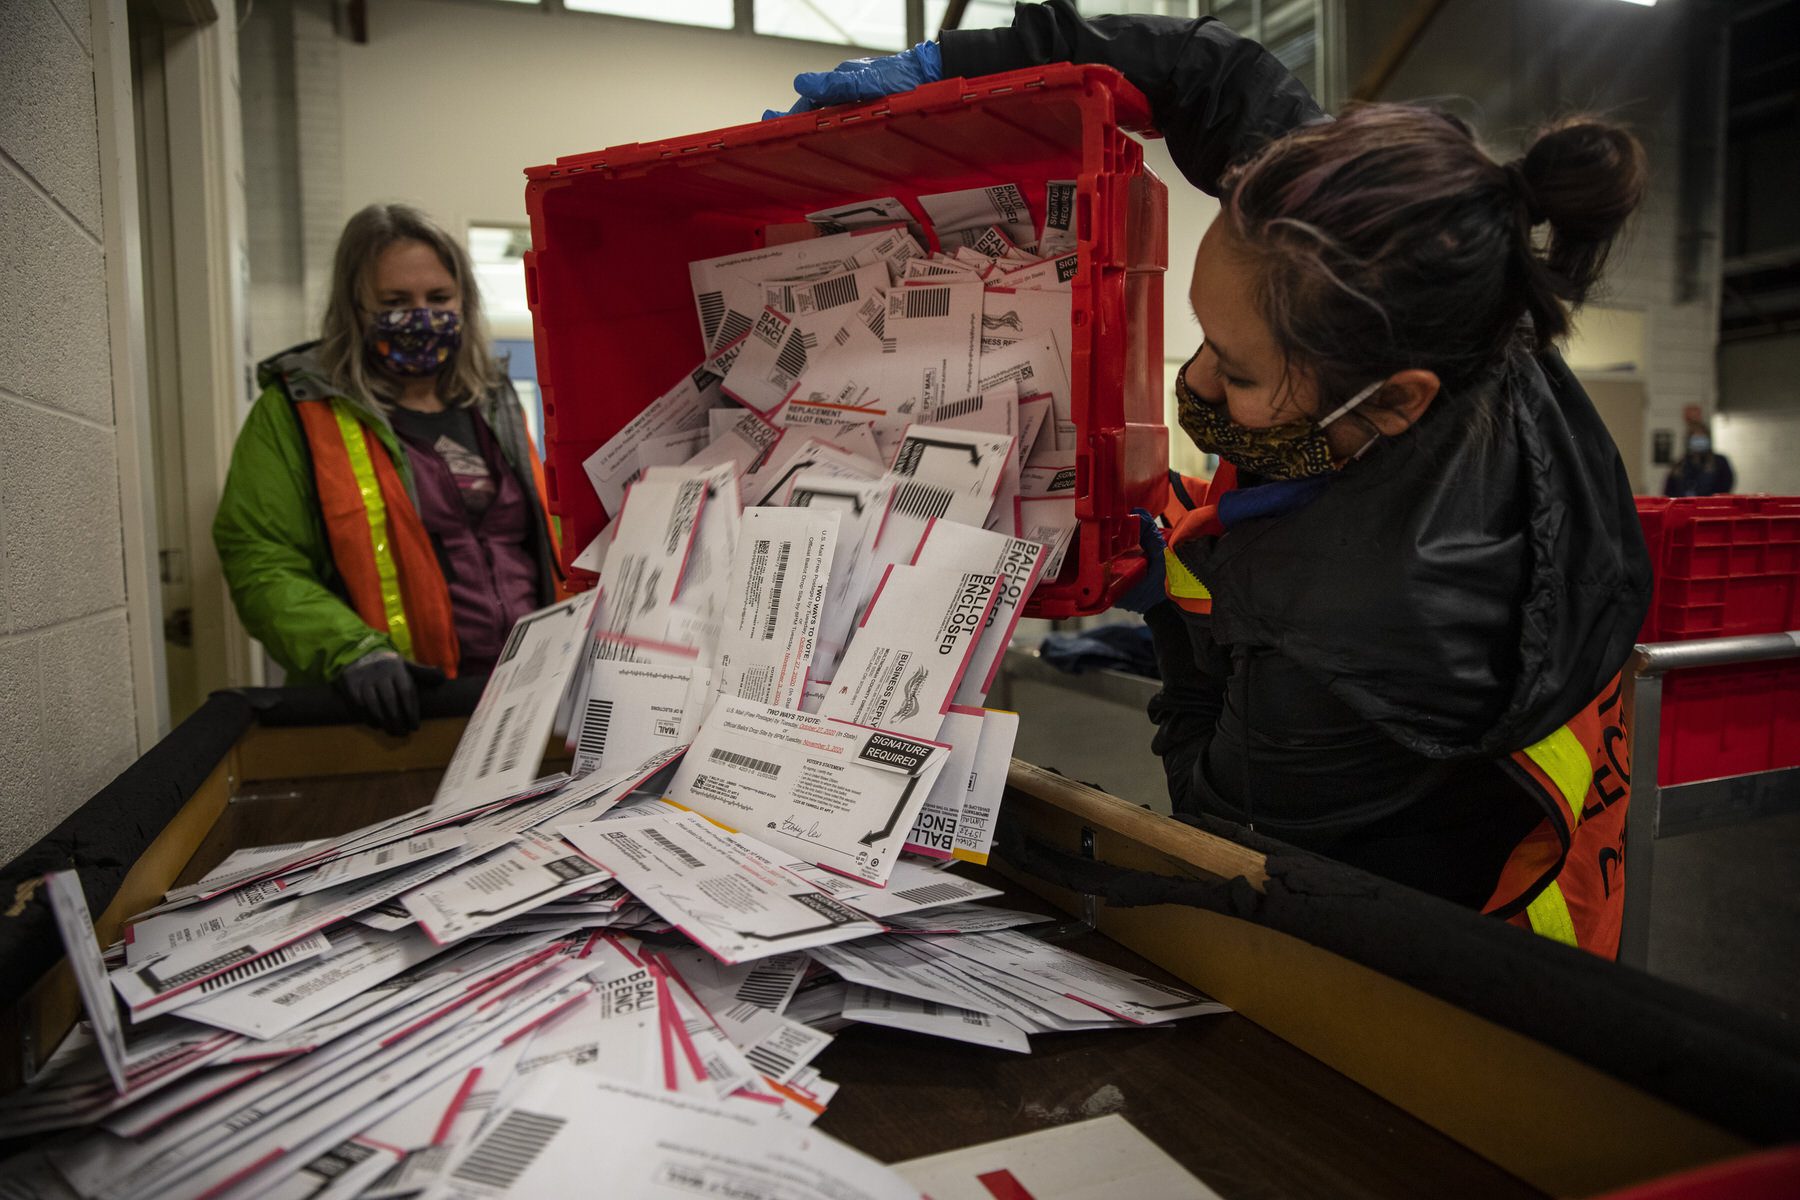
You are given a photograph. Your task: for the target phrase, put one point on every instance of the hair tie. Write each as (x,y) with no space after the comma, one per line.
(1522,191)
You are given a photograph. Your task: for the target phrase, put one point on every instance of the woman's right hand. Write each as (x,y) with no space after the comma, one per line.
(383,689)
(862,79)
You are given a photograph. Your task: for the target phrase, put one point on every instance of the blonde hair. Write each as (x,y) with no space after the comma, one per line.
(469,376)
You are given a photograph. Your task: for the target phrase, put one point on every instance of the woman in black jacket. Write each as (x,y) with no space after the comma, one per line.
(1414,600)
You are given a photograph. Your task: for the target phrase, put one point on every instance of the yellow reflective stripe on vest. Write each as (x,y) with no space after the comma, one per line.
(1549,916)
(1561,757)
(357,447)
(1179,582)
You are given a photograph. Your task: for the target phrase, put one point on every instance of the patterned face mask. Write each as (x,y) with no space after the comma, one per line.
(414,342)
(1293,450)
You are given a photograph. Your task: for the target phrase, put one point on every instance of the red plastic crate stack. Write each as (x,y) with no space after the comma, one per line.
(1725,565)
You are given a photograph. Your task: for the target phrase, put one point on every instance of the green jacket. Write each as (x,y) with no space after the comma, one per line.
(271,538)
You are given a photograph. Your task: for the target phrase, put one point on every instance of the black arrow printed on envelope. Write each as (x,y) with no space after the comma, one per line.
(876,835)
(974,452)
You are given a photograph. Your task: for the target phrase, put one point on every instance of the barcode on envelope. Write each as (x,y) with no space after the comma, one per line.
(493,749)
(781,565)
(508,1152)
(766,986)
(770,1060)
(829,293)
(712,309)
(922,500)
(956,408)
(933,893)
(760,766)
(257,966)
(515,746)
(734,326)
(927,302)
(792,359)
(596,719)
(669,847)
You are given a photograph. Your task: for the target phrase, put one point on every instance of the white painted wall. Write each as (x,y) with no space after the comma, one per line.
(1758,422)
(448,103)
(67,714)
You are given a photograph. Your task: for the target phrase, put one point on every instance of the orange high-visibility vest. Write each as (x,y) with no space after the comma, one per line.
(1566,880)
(1190,521)
(382,551)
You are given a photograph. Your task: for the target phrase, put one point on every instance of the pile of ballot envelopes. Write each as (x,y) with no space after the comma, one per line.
(774,704)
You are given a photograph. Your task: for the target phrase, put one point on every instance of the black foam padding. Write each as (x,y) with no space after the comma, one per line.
(1728,1064)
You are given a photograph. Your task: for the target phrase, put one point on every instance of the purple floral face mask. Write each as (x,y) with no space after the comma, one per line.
(414,342)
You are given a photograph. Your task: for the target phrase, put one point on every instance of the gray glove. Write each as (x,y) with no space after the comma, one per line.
(383,689)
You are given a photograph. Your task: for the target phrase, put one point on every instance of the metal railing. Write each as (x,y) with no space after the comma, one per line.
(1661,812)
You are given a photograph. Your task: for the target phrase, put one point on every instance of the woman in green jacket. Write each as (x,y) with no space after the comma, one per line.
(383,522)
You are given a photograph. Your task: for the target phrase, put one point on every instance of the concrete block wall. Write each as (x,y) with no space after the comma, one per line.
(1758,422)
(67,719)
(1510,68)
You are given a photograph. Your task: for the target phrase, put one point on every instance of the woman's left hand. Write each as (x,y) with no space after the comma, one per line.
(862,79)
(1149,591)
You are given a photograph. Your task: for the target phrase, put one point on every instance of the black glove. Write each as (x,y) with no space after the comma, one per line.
(383,689)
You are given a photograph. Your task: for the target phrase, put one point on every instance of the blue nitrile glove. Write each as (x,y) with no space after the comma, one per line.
(1147,592)
(866,79)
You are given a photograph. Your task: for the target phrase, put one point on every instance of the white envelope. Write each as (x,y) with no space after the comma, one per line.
(913,887)
(535,869)
(68,904)
(660,1147)
(895,1011)
(745,443)
(1037,365)
(808,297)
(724,890)
(359,961)
(808,259)
(1017,562)
(774,601)
(678,410)
(503,743)
(770,486)
(1058,233)
(767,368)
(636,709)
(912,650)
(1050,520)
(987,785)
(1051,275)
(649,554)
(933,834)
(826,792)
(934,329)
(859,505)
(1002,205)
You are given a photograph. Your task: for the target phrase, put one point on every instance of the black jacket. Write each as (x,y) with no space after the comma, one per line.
(1451,598)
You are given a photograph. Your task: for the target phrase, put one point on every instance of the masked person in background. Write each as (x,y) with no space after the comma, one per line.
(383,523)
(1391,630)
(1700,472)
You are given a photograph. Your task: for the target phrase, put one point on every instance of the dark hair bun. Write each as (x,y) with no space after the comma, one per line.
(1585,177)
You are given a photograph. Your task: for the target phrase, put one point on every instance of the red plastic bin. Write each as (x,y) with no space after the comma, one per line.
(1729,721)
(613,232)
(1725,566)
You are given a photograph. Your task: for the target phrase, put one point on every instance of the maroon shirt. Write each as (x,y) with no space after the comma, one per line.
(479,518)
